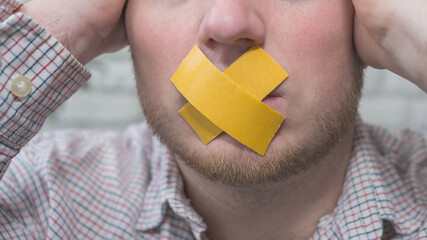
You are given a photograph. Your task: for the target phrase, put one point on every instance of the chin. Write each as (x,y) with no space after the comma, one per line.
(297,146)
(224,160)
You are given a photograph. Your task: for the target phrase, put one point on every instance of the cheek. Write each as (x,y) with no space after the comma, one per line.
(159,42)
(317,49)
(324,33)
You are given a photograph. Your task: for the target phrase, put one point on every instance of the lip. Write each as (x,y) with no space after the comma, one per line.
(271,100)
(276,93)
(275,100)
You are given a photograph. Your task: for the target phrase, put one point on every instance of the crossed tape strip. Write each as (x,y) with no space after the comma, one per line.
(230,101)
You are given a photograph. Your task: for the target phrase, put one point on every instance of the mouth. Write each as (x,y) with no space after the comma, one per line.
(275,99)
(271,100)
(276,93)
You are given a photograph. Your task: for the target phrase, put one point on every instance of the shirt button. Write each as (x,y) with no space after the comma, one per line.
(21,86)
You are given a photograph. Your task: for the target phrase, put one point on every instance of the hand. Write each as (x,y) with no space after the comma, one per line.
(87,28)
(392,34)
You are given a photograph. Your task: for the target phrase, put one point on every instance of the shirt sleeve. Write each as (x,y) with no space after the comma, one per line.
(28,51)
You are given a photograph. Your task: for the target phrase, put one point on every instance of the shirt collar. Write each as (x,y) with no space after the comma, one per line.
(373,191)
(166,193)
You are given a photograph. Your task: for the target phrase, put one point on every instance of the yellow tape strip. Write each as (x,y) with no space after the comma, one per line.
(255,71)
(224,103)
(205,129)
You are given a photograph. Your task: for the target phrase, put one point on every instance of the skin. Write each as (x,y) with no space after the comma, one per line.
(312,40)
(224,30)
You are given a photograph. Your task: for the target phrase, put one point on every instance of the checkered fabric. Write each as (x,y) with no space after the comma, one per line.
(126,185)
(29,50)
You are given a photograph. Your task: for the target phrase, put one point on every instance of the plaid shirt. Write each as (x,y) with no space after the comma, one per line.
(125,185)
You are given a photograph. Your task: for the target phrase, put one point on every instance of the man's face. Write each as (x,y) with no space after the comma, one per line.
(310,39)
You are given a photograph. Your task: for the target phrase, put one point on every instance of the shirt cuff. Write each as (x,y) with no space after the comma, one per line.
(29,52)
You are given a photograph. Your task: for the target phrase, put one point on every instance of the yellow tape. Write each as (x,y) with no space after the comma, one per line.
(255,71)
(205,129)
(224,103)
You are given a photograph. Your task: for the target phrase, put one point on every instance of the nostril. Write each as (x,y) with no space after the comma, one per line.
(228,29)
(232,22)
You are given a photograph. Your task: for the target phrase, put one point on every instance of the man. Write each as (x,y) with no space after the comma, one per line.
(325,175)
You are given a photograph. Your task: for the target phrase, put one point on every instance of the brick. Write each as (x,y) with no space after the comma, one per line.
(391,112)
(374,81)
(97,110)
(112,72)
(418,113)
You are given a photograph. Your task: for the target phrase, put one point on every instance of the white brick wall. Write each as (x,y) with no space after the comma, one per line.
(393,102)
(109,99)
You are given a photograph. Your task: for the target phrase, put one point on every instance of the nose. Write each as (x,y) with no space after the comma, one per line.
(228,29)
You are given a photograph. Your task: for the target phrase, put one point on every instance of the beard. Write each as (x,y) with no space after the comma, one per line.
(242,166)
